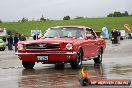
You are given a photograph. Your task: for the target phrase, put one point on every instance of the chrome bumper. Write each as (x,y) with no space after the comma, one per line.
(65,53)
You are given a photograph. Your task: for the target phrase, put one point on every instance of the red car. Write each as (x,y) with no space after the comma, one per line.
(62,44)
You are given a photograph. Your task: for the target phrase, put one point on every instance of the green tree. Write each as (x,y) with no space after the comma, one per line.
(24,19)
(66,18)
(117,14)
(0,21)
(110,15)
(78,17)
(123,14)
(126,13)
(42,18)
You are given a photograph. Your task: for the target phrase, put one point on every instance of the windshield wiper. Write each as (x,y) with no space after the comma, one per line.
(66,37)
(48,37)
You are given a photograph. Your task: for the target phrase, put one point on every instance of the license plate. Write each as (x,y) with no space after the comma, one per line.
(42,57)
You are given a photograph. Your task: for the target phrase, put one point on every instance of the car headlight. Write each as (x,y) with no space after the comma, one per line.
(20,47)
(69,46)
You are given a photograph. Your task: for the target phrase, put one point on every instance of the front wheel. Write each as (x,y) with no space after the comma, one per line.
(3,49)
(77,63)
(28,64)
(98,59)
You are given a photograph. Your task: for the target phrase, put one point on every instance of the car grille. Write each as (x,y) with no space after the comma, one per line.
(42,46)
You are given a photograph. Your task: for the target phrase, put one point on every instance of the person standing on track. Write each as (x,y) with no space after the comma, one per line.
(114,34)
(22,38)
(10,42)
(16,39)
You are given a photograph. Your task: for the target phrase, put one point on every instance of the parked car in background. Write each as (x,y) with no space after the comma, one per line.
(62,44)
(123,34)
(2,45)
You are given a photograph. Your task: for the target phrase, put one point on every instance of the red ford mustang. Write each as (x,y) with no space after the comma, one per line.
(62,44)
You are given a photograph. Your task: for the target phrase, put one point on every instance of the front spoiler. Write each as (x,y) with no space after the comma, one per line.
(47,53)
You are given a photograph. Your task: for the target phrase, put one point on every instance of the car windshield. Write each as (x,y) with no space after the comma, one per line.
(64,32)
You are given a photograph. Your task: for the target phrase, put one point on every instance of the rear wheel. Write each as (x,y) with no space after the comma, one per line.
(98,60)
(28,64)
(77,63)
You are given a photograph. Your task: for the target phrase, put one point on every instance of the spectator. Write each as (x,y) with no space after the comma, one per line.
(19,36)
(10,42)
(114,34)
(22,38)
(105,33)
(16,39)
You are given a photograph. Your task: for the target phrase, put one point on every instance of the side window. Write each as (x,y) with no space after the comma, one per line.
(79,34)
(89,32)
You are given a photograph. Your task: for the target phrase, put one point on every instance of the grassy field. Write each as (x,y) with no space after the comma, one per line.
(95,23)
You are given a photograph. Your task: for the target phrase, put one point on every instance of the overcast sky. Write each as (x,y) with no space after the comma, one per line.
(14,10)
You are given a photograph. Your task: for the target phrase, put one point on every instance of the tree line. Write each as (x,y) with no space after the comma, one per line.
(114,14)
(0,21)
(118,14)
(24,19)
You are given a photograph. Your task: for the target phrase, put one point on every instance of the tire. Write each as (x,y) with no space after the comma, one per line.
(3,49)
(98,60)
(28,64)
(59,66)
(77,62)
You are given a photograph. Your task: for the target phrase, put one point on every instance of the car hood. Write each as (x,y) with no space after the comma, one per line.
(51,40)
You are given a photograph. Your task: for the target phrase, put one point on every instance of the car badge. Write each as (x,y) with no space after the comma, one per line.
(42,45)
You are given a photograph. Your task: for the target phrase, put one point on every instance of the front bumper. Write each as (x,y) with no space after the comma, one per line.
(47,53)
(2,47)
(53,57)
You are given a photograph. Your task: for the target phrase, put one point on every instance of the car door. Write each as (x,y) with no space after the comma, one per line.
(91,44)
(94,47)
(87,48)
